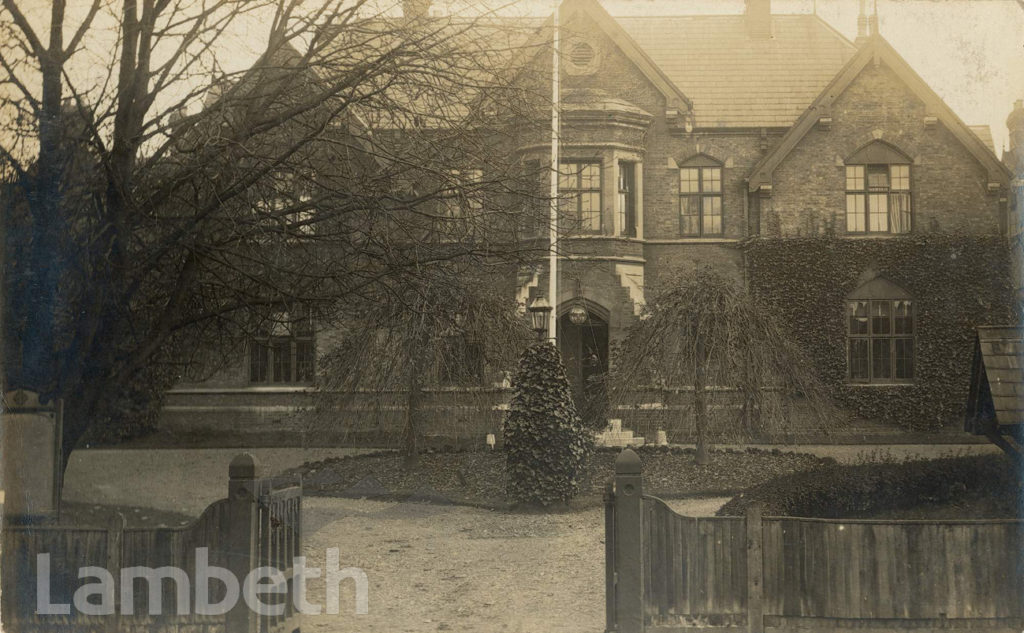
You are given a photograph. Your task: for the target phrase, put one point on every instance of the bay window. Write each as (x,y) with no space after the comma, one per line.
(579,192)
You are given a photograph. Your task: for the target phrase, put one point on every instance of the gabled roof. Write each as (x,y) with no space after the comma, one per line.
(613,28)
(736,80)
(877,48)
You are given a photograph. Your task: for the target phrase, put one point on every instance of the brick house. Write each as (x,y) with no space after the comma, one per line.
(823,173)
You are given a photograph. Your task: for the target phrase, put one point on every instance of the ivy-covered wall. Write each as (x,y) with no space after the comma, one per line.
(956,281)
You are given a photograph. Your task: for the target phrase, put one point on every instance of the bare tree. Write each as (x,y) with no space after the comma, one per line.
(702,338)
(166,205)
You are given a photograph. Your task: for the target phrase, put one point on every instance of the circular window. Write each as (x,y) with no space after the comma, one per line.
(582,57)
(582,54)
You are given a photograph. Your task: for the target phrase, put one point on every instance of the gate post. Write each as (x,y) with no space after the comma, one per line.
(240,538)
(629,553)
(755,568)
(609,559)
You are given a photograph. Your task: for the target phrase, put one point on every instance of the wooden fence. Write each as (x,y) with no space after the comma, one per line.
(257,525)
(667,572)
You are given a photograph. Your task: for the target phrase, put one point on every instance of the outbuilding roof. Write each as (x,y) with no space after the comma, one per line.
(996,397)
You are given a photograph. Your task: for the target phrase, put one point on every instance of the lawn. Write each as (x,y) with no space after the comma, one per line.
(478,478)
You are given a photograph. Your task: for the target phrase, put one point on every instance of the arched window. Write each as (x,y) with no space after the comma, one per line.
(878,190)
(700,197)
(880,334)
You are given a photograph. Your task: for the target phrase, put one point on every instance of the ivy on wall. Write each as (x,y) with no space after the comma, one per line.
(956,281)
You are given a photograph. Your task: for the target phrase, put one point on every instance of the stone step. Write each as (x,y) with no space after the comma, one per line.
(622,443)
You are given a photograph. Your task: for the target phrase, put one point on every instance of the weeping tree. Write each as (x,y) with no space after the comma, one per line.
(451,329)
(704,339)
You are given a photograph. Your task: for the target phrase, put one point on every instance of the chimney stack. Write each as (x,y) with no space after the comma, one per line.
(759,18)
(862,24)
(415,9)
(1015,124)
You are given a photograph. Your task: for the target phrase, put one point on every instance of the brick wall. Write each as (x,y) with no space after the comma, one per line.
(949,186)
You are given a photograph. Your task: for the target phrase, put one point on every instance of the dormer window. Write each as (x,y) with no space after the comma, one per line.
(700,198)
(878,190)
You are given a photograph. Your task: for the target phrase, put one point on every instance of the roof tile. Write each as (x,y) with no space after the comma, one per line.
(737,81)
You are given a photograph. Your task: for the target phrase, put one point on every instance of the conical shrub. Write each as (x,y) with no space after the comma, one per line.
(547,447)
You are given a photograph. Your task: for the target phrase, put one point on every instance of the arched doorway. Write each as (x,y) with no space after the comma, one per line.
(584,348)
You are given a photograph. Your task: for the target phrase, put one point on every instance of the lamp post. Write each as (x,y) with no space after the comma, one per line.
(539,310)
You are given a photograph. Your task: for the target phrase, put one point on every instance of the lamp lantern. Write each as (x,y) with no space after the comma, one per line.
(539,310)
(578,314)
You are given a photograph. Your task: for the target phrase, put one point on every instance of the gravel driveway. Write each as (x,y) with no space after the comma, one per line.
(450,568)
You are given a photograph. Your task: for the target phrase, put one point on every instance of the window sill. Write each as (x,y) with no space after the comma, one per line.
(696,240)
(880,384)
(871,236)
(258,388)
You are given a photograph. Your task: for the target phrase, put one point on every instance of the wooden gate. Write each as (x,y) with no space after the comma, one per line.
(258,525)
(667,572)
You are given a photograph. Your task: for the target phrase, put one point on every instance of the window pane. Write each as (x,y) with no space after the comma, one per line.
(903,321)
(627,198)
(904,358)
(567,176)
(899,212)
(859,359)
(857,316)
(689,180)
(855,212)
(900,175)
(590,176)
(855,178)
(304,360)
(712,179)
(567,213)
(878,216)
(689,215)
(881,313)
(590,211)
(258,362)
(281,350)
(878,177)
(712,209)
(881,358)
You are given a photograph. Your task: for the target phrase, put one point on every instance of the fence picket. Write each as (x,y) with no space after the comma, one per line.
(227,528)
(887,574)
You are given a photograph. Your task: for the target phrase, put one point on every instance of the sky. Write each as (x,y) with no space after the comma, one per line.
(971,52)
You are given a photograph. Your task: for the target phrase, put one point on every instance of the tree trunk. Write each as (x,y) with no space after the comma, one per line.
(700,410)
(414,398)
(411,431)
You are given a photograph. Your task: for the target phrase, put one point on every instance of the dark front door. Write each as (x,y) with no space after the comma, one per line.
(584,349)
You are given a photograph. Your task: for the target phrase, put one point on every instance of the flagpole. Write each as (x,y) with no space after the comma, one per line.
(553,219)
